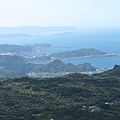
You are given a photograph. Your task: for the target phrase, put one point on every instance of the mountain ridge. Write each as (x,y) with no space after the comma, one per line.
(58,66)
(35,30)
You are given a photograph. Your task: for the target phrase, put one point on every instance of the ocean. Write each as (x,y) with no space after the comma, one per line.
(98,62)
(108,42)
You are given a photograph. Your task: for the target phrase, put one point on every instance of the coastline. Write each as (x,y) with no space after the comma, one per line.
(104,55)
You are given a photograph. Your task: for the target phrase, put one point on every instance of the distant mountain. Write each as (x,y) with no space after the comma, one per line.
(13,35)
(35,30)
(58,66)
(14,48)
(77,53)
(22,48)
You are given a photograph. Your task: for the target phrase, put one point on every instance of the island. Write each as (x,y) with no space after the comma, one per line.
(88,52)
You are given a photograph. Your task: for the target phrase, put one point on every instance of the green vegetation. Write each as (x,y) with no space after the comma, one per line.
(115,71)
(16,66)
(77,53)
(58,66)
(62,98)
(13,66)
(6,48)
(14,48)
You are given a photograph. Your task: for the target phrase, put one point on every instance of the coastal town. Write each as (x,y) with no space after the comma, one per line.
(50,74)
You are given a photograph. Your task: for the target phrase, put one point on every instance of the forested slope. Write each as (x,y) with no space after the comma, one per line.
(71,97)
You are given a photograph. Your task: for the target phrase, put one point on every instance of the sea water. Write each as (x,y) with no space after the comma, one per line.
(106,42)
(98,62)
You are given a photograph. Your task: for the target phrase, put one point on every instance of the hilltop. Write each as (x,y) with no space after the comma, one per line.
(58,66)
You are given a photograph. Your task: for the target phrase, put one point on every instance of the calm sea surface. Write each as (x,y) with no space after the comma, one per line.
(105,42)
(99,62)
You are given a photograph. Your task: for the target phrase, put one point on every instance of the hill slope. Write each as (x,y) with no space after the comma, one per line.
(13,66)
(58,66)
(113,72)
(71,97)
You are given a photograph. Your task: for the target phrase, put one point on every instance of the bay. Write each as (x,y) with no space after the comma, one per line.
(105,42)
(98,62)
(108,42)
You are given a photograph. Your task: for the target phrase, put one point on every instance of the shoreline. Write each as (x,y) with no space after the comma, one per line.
(105,55)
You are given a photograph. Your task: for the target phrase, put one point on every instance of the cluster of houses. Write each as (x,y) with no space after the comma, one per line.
(96,108)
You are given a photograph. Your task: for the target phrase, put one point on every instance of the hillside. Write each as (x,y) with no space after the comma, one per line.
(72,97)
(13,66)
(58,66)
(16,66)
(114,72)
(14,48)
(77,53)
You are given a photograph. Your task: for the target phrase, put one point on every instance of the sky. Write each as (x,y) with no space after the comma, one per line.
(76,13)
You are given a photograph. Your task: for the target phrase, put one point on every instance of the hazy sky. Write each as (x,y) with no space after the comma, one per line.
(78,13)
